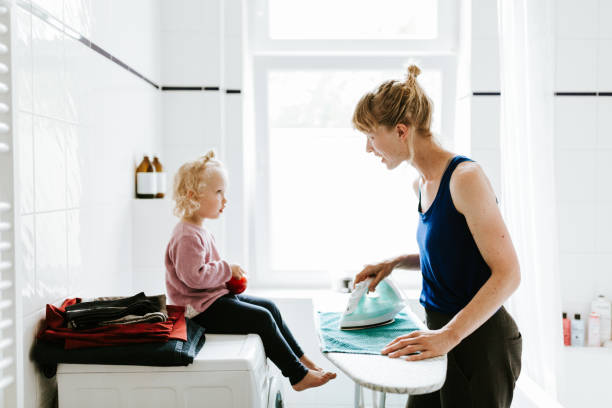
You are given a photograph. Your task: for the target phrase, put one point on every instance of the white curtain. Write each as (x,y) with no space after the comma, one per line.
(526,40)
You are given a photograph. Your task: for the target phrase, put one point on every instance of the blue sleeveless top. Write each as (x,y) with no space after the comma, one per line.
(453,268)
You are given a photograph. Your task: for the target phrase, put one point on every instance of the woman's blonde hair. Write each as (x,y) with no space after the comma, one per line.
(395,102)
(191,176)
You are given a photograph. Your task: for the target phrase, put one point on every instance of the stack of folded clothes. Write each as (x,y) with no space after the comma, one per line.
(136,330)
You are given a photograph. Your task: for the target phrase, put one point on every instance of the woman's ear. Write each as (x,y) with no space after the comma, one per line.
(402,131)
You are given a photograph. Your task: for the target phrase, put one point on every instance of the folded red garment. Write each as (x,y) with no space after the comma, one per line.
(55,329)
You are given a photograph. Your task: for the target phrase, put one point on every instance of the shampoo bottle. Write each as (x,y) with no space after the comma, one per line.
(161,177)
(567,331)
(602,306)
(594,340)
(577,331)
(146,182)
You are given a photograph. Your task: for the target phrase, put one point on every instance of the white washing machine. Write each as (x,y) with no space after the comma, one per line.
(231,371)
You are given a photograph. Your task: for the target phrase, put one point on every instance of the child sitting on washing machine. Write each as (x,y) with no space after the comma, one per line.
(196,276)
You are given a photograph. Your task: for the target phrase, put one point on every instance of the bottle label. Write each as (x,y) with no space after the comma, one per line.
(161,182)
(146,183)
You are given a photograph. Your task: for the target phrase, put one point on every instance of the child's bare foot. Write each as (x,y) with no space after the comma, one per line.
(309,363)
(313,379)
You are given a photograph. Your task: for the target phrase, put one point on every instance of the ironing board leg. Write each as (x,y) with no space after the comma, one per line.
(358,396)
(382,399)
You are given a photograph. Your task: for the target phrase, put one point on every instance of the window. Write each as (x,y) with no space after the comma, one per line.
(323,207)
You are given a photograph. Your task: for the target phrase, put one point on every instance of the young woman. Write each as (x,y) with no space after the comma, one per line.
(466,256)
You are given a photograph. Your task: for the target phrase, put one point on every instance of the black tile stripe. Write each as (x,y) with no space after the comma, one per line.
(556,93)
(575,93)
(181,88)
(232,91)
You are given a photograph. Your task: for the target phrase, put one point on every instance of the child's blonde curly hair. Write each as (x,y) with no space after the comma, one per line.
(191,176)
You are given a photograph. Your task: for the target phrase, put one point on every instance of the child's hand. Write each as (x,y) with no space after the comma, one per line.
(237,271)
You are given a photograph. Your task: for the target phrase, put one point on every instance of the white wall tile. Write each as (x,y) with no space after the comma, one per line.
(189,14)
(485,122)
(489,159)
(51,262)
(25,145)
(193,118)
(201,50)
(74,252)
(577,283)
(575,122)
(53,7)
(572,168)
(576,68)
(485,65)
(575,235)
(603,171)
(75,163)
(604,122)
(577,20)
(484,19)
(27,265)
(604,68)
(232,19)
(48,75)
(233,63)
(22,60)
(78,16)
(603,226)
(49,165)
(102,28)
(605,16)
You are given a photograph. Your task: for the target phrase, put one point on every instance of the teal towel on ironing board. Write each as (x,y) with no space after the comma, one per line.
(363,341)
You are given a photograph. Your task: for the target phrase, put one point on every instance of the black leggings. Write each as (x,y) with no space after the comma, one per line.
(243,314)
(482,369)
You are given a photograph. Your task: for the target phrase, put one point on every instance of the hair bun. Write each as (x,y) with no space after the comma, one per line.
(414,71)
(208,156)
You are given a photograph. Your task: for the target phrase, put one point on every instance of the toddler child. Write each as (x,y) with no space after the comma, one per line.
(196,276)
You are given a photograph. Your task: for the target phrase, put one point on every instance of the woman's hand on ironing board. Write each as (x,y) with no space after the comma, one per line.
(379,272)
(427,344)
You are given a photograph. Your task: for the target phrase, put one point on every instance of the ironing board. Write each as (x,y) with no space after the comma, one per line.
(390,375)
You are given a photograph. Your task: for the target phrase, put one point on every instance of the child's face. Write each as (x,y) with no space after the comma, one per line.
(212,198)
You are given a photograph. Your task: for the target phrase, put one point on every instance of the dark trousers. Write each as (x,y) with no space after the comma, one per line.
(243,314)
(482,369)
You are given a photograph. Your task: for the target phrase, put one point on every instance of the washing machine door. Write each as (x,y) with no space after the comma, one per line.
(275,394)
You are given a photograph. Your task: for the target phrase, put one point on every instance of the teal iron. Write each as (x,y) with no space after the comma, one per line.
(365,310)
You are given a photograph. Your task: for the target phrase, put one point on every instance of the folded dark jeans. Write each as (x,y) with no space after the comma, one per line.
(172,353)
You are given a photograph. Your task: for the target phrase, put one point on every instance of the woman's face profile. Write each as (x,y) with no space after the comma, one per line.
(386,144)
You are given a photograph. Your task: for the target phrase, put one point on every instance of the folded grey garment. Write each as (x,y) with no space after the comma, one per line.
(160,298)
(131,319)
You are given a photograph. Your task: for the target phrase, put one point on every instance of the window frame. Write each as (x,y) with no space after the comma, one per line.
(266,54)
(260,246)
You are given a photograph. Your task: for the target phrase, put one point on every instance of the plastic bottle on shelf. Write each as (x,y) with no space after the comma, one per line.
(602,306)
(567,331)
(594,339)
(146,181)
(161,178)
(577,331)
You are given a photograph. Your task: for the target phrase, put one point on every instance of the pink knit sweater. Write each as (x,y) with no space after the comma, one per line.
(195,273)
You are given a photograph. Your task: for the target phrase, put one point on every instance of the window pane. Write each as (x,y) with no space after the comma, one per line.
(332,206)
(353,19)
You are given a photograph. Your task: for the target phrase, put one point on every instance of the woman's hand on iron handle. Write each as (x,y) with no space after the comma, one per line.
(379,272)
(427,344)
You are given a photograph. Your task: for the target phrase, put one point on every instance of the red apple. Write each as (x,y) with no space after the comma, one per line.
(236,286)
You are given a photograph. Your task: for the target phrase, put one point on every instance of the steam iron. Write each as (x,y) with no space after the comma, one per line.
(365,310)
